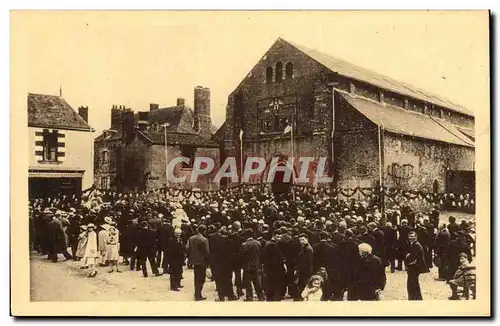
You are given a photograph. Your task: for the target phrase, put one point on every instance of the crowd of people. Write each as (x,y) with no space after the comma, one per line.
(256,242)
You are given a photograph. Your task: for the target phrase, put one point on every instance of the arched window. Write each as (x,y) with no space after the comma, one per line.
(289,70)
(269,75)
(279,72)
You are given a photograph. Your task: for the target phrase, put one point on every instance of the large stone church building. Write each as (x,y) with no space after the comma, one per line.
(371,128)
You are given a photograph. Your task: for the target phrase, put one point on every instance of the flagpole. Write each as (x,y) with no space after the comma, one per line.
(292,154)
(381,163)
(165,125)
(241,155)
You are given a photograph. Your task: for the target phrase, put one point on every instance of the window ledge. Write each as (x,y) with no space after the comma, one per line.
(50,162)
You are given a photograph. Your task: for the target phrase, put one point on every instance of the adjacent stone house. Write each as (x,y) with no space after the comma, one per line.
(131,155)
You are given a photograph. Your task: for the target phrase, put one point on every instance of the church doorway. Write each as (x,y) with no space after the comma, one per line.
(281,183)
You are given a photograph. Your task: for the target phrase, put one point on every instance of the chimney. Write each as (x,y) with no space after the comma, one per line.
(128,130)
(180,101)
(202,120)
(143,120)
(153,107)
(116,119)
(83,111)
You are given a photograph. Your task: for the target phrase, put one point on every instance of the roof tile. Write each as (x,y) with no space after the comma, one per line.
(53,111)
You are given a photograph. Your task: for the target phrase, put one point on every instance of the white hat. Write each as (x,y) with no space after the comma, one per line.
(108,220)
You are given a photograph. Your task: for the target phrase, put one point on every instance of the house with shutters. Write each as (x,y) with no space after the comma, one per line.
(60,147)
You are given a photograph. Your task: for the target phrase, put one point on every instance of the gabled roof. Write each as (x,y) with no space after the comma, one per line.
(52,111)
(158,138)
(405,122)
(110,136)
(180,118)
(350,70)
(220,133)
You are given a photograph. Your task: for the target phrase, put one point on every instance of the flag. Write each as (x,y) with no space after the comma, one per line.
(287,129)
(241,134)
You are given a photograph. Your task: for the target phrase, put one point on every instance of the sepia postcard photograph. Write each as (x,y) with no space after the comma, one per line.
(250,163)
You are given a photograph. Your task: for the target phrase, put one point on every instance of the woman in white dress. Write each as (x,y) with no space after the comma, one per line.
(91,255)
(82,243)
(112,248)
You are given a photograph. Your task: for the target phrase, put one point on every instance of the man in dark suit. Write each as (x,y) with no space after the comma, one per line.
(416,265)
(165,233)
(371,278)
(198,253)
(237,240)
(325,255)
(131,233)
(403,230)
(390,243)
(175,254)
(442,243)
(273,260)
(453,227)
(338,234)
(215,243)
(226,253)
(349,261)
(455,248)
(304,267)
(250,261)
(146,249)
(378,245)
(290,247)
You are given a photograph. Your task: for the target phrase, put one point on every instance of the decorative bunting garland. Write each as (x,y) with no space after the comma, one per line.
(391,195)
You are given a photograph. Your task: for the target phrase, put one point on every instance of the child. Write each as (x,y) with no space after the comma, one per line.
(312,291)
(91,255)
(112,253)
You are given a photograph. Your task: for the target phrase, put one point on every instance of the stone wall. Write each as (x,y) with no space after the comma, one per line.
(156,168)
(416,164)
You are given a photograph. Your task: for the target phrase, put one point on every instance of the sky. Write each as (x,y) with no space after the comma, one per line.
(136,58)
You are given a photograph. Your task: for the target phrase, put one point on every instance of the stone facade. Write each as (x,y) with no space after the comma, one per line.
(131,155)
(156,168)
(419,164)
(289,85)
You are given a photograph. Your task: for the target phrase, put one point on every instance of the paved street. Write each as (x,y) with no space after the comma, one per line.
(65,281)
